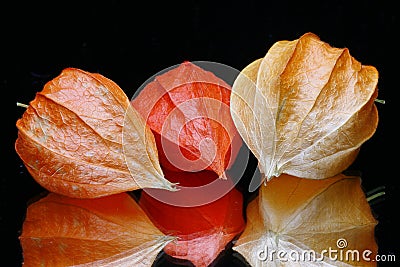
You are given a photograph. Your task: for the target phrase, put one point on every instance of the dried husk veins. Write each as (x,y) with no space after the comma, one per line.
(80,137)
(296,215)
(185,107)
(107,231)
(305,108)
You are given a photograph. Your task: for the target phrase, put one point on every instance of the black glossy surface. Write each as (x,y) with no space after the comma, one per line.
(128,43)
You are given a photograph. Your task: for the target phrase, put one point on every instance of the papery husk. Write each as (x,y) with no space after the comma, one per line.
(80,137)
(187,108)
(305,108)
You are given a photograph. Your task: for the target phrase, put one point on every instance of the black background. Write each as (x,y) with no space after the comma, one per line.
(130,41)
